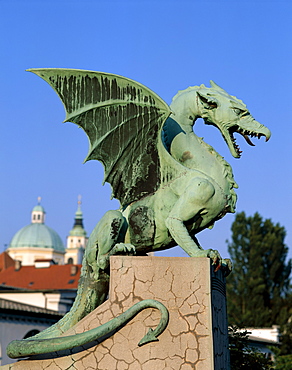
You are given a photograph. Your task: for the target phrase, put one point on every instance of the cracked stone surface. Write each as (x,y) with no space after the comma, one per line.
(183,285)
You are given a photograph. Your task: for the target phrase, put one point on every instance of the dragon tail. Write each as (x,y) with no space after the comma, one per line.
(90,294)
(29,347)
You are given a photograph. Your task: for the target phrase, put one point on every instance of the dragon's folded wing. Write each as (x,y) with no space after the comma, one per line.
(122,119)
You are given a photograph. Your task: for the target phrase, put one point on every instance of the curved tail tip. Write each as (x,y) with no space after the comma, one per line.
(149,337)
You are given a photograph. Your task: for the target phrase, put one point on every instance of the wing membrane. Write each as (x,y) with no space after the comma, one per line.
(122,119)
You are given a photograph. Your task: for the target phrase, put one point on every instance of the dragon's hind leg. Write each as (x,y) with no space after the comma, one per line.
(109,236)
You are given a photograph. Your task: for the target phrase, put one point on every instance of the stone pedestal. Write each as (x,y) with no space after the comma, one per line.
(195,338)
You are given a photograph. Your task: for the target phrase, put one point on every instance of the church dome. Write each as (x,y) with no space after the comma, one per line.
(37,234)
(38,208)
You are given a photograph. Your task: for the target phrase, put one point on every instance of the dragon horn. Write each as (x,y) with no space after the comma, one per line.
(215,86)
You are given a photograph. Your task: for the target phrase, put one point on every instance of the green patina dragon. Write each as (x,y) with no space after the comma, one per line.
(170,183)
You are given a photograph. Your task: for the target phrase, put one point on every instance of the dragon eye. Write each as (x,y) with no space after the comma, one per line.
(237,111)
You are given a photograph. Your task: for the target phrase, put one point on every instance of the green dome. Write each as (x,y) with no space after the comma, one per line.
(37,235)
(38,208)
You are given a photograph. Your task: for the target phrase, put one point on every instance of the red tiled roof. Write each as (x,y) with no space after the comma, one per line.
(5,261)
(54,277)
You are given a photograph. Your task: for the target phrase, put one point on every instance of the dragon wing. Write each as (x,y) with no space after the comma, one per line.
(122,119)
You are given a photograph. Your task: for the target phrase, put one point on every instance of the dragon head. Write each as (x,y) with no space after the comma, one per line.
(229,115)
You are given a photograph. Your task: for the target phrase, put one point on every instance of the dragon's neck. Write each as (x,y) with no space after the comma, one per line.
(186,109)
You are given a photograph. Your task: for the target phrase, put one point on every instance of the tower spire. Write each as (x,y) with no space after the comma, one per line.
(77,239)
(79,202)
(78,221)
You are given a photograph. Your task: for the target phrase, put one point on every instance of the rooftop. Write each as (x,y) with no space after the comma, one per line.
(51,277)
(6,304)
(5,261)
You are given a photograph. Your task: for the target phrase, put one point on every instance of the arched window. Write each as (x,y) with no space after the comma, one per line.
(70,261)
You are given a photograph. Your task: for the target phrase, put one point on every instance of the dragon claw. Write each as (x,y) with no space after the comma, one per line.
(227,266)
(217,260)
(120,248)
(126,248)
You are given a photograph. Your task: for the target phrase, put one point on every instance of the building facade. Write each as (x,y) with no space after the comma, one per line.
(38,277)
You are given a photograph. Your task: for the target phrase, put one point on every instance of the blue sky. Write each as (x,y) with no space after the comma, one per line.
(244,46)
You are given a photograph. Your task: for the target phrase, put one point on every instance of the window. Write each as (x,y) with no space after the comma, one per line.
(70,261)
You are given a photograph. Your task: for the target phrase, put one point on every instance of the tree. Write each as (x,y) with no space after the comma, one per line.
(283,362)
(244,357)
(258,288)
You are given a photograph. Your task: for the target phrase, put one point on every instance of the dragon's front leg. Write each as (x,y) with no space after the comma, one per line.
(193,205)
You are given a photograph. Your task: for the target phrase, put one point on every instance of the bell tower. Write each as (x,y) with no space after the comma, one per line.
(38,213)
(77,239)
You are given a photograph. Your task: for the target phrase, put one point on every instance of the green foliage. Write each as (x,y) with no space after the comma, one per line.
(244,357)
(282,362)
(258,287)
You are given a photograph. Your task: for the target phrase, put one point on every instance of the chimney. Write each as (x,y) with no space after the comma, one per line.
(17,265)
(43,263)
(74,270)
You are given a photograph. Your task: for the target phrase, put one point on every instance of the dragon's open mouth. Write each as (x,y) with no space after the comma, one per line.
(246,134)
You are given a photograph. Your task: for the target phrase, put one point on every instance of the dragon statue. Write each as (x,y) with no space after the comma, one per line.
(170,183)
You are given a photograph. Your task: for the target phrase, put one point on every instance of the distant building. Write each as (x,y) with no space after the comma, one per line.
(32,298)
(20,321)
(77,239)
(38,278)
(43,275)
(264,339)
(38,241)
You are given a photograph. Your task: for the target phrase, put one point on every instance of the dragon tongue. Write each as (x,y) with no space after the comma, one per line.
(248,140)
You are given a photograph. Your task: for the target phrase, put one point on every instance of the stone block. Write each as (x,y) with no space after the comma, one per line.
(196,335)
